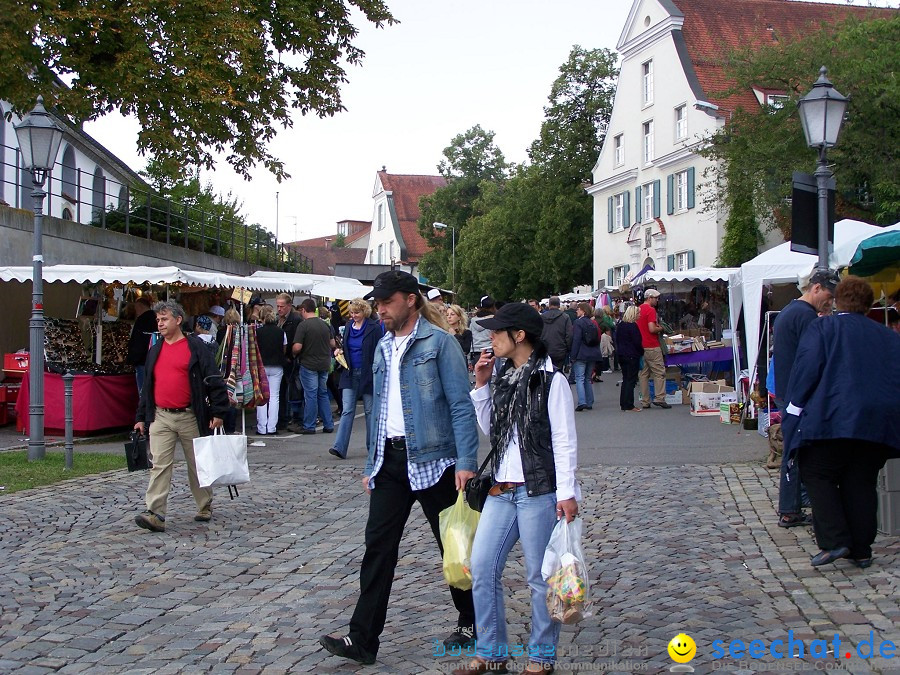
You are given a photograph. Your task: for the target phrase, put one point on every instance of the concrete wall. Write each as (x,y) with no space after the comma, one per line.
(67,242)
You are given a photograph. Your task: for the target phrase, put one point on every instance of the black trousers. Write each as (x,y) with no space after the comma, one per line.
(840,477)
(629,381)
(389,508)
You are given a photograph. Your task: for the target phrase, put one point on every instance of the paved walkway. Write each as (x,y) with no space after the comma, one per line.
(672,549)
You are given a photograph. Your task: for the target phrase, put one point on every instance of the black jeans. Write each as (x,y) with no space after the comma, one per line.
(389,507)
(629,381)
(840,477)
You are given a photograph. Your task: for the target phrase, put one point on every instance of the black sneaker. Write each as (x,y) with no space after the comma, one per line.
(462,637)
(345,648)
(661,405)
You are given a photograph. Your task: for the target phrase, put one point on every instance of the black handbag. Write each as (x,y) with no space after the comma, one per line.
(478,486)
(136,452)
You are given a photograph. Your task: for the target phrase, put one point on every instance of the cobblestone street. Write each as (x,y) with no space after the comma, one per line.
(690,549)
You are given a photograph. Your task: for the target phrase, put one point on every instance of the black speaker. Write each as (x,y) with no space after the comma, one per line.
(805,214)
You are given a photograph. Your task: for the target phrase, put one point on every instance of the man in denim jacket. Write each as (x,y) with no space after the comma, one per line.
(424,446)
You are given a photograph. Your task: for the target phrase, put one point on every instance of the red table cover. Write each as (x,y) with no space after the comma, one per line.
(98,402)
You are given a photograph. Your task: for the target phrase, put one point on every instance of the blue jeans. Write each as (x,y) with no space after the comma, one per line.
(350,395)
(315,398)
(506,519)
(583,385)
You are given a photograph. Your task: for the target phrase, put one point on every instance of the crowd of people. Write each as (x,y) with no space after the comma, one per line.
(430,376)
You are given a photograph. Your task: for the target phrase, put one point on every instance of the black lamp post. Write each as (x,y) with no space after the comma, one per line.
(822,113)
(39,139)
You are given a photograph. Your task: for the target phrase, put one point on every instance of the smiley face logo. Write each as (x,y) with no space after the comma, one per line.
(682,648)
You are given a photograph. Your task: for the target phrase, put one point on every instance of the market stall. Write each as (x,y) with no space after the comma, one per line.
(325,286)
(93,344)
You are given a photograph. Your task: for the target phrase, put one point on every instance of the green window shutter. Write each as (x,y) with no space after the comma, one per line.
(691,264)
(626,211)
(656,198)
(627,269)
(690,188)
(610,277)
(670,263)
(670,197)
(611,216)
(638,205)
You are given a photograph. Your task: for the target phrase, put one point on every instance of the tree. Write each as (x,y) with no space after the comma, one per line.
(757,151)
(202,76)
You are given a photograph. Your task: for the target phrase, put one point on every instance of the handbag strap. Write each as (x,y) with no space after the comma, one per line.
(485,463)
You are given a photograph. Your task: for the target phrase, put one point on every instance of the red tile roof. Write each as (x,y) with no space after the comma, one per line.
(324,258)
(406,191)
(712,28)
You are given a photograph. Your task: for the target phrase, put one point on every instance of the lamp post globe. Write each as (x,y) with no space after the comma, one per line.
(39,138)
(822,115)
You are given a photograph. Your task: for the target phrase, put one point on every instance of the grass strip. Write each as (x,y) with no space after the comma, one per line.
(17,473)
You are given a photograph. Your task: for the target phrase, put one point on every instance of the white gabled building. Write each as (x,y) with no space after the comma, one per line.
(647,180)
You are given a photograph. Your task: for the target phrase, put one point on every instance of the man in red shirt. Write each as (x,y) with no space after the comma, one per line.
(653,358)
(181,376)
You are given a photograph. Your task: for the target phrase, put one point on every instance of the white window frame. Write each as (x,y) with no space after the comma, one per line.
(647,130)
(681,261)
(647,82)
(776,101)
(381,216)
(681,191)
(681,122)
(619,150)
(619,212)
(381,254)
(619,275)
(391,249)
(647,202)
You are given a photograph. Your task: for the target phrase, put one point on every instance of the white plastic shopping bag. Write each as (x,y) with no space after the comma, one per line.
(221,459)
(565,572)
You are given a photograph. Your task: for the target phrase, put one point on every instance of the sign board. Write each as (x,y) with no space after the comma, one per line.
(805,214)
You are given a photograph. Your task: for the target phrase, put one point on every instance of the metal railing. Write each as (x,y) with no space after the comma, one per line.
(95,199)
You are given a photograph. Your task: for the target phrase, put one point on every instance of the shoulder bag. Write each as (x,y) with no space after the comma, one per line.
(478,486)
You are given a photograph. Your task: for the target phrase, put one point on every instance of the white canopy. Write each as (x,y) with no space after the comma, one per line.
(153,275)
(340,288)
(695,274)
(782,265)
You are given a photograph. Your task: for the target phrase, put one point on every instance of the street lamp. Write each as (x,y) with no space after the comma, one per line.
(39,139)
(442,226)
(822,113)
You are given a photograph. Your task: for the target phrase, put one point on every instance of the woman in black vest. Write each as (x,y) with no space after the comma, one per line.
(272,342)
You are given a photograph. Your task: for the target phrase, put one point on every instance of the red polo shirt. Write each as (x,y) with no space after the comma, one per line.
(171,386)
(647,315)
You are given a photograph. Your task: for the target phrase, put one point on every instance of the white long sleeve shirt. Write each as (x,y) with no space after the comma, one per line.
(561,410)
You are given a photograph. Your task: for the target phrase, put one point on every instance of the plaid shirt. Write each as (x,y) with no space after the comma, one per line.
(421,474)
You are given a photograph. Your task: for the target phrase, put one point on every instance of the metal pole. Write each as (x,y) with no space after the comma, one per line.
(36,446)
(68,379)
(822,177)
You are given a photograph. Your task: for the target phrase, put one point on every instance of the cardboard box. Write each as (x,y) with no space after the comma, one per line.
(729,413)
(706,397)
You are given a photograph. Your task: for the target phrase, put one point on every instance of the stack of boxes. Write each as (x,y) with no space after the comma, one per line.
(889,498)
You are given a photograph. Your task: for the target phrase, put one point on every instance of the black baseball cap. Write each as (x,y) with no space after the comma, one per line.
(388,283)
(515,315)
(828,279)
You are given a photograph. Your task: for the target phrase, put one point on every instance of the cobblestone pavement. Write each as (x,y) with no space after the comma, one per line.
(690,549)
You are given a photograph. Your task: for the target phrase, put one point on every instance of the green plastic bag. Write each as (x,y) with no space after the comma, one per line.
(458,524)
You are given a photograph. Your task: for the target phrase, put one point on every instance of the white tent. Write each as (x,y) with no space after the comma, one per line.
(340,288)
(695,274)
(781,265)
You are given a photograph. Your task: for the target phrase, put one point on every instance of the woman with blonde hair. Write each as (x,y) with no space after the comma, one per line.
(630,351)
(459,328)
(361,336)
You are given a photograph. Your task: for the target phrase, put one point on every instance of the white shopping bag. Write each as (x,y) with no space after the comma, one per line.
(221,459)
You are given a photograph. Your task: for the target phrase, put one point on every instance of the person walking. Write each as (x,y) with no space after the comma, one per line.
(584,354)
(843,392)
(527,414)
(630,349)
(481,337)
(288,320)
(423,449)
(139,340)
(790,325)
(557,333)
(361,338)
(654,363)
(272,344)
(313,345)
(183,397)
(456,317)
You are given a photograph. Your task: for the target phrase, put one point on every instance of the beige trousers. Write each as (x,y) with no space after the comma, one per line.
(165,430)
(653,364)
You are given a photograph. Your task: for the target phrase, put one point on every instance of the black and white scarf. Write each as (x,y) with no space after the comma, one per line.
(509,406)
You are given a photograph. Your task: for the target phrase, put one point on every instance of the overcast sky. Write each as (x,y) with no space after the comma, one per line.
(447,66)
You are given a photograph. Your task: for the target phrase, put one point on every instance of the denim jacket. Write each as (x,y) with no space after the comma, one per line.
(437,411)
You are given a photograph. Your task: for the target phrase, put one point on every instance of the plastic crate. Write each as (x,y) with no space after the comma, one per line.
(889,513)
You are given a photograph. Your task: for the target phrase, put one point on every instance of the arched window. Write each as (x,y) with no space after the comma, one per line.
(67,214)
(98,200)
(69,175)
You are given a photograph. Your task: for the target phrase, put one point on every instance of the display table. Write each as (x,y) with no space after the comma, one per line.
(98,402)
(718,355)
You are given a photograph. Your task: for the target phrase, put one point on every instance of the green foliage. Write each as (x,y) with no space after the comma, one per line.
(200,77)
(340,241)
(758,152)
(17,473)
